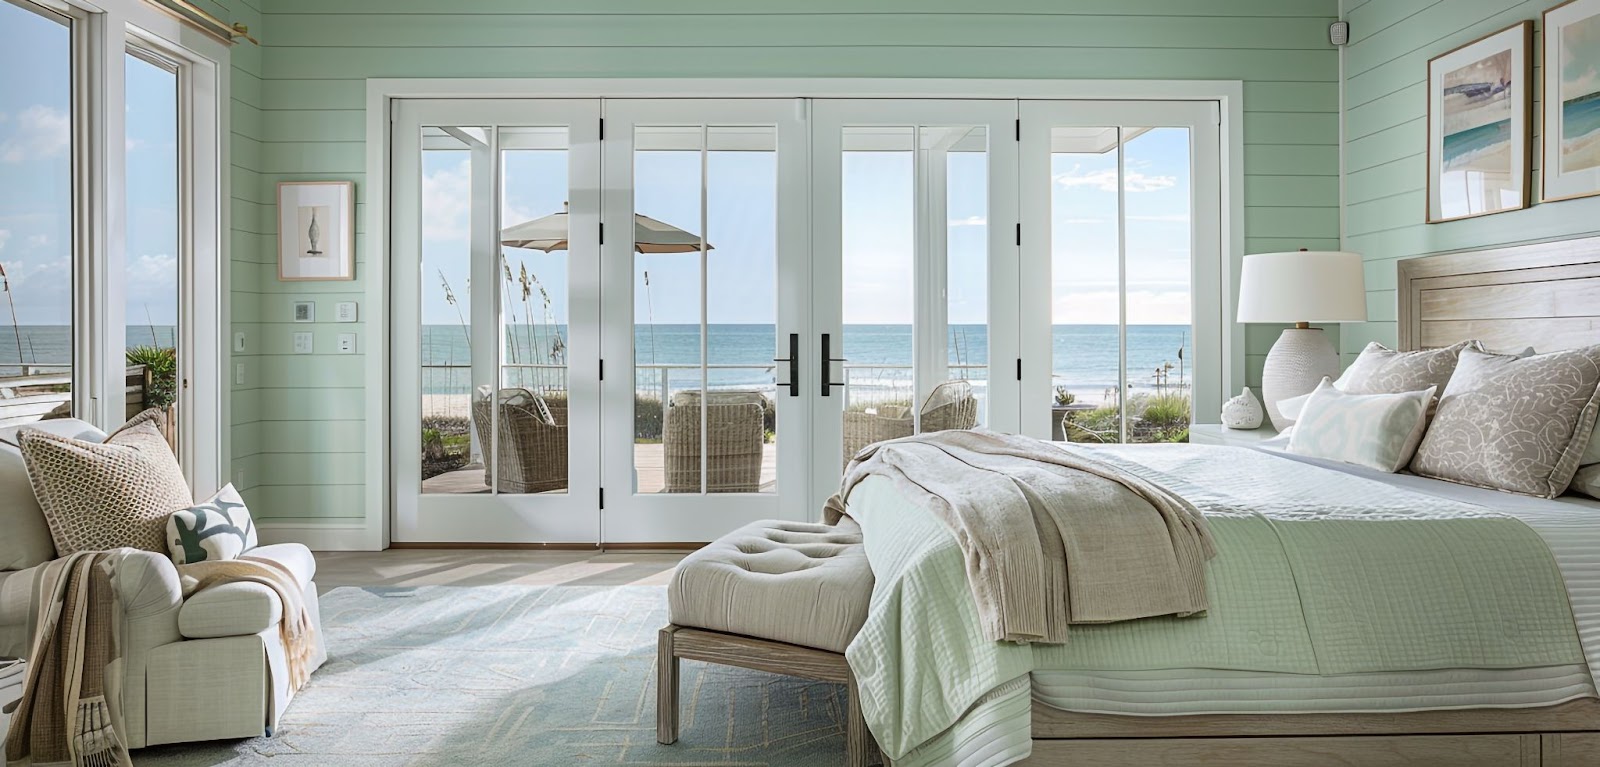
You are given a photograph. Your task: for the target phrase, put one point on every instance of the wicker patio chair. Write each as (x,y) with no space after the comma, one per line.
(735,439)
(950,405)
(532,445)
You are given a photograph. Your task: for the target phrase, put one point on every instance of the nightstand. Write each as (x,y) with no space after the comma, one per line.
(1217,434)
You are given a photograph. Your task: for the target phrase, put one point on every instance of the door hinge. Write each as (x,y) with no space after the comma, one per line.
(602,232)
(602,129)
(602,498)
(1019,368)
(1019,129)
(602,370)
(1019,234)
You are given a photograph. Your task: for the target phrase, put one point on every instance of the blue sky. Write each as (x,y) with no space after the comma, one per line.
(36,183)
(878,232)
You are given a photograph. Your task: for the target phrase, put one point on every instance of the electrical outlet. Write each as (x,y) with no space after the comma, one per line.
(238,341)
(344,311)
(302,343)
(347,343)
(238,374)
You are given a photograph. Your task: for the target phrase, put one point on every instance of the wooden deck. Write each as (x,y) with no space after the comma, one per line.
(648,462)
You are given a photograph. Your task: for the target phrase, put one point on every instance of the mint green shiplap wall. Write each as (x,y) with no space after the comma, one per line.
(246,228)
(1385,145)
(302,415)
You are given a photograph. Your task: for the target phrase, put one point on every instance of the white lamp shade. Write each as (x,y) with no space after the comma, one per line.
(1303,286)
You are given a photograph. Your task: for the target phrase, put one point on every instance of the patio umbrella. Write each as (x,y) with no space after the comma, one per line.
(649,235)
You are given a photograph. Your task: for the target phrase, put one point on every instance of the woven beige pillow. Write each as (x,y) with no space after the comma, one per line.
(110,494)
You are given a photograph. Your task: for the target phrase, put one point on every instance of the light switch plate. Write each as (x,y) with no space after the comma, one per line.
(344,311)
(347,343)
(302,343)
(238,341)
(238,374)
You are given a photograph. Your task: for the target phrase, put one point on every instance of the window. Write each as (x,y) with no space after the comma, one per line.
(37,256)
(151,266)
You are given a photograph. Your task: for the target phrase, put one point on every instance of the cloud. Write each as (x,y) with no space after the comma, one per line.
(1170,218)
(38,240)
(447,203)
(1145,307)
(1105,180)
(40,132)
(969,221)
(5,234)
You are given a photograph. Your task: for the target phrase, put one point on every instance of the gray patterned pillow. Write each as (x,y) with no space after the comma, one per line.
(1381,370)
(1519,425)
(98,496)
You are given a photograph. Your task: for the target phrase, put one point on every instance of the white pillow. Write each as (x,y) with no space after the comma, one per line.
(1379,431)
(220,528)
(1374,356)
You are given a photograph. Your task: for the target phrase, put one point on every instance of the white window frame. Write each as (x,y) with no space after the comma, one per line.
(102,33)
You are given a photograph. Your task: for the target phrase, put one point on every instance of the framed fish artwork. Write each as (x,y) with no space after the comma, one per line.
(316,230)
(1479,102)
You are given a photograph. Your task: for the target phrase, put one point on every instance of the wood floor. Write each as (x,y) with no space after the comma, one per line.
(458,567)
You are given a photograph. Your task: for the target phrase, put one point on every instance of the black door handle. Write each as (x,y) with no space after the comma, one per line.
(827,365)
(794,365)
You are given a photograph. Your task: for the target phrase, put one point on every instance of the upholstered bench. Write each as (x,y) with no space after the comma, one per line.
(784,597)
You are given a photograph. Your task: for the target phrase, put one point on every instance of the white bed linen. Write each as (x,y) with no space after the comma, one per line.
(991,734)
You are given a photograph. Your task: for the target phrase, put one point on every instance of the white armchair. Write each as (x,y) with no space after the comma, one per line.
(208,668)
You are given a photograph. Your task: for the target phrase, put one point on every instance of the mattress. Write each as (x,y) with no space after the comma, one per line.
(1143,680)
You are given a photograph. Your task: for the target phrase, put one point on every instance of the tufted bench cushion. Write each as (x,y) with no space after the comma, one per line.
(794,582)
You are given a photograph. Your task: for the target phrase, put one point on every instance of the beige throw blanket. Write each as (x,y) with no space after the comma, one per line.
(67,714)
(1051,537)
(295,630)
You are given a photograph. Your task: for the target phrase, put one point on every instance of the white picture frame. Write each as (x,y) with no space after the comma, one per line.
(1479,110)
(1570,160)
(316,231)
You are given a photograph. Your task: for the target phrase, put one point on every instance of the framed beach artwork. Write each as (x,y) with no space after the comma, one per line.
(1571,160)
(1478,116)
(316,230)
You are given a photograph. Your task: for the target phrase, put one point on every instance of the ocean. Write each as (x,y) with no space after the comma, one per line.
(1084,356)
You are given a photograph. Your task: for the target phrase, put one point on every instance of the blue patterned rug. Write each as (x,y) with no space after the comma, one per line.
(512,675)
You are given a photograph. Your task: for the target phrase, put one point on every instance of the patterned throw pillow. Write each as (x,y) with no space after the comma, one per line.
(220,528)
(105,495)
(1519,425)
(1379,431)
(1381,370)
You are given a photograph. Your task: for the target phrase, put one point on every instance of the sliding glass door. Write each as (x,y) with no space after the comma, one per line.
(1121,272)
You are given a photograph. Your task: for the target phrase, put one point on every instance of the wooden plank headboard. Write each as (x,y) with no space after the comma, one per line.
(1545,295)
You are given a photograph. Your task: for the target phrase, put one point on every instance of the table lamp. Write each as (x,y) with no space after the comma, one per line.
(1301,287)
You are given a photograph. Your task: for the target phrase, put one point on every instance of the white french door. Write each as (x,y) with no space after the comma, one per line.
(706,297)
(914,268)
(653,320)
(495,338)
(1122,269)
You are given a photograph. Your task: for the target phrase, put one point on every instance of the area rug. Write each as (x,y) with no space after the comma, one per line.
(511,675)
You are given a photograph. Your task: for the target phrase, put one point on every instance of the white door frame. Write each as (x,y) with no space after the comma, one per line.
(930,310)
(570,517)
(1210,273)
(382,92)
(631,517)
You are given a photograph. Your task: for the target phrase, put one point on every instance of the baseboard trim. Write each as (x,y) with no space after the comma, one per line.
(666,546)
(317,537)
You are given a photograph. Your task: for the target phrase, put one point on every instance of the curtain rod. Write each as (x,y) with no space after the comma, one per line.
(205,22)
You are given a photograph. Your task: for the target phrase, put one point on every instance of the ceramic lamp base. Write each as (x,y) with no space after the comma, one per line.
(1295,365)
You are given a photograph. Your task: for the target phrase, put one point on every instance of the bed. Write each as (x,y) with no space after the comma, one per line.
(1161,691)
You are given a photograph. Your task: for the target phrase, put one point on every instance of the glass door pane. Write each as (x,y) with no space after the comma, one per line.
(705,284)
(36,218)
(495,359)
(1118,290)
(1156,189)
(151,262)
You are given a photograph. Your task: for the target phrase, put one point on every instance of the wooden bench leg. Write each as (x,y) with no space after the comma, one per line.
(666,688)
(858,745)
